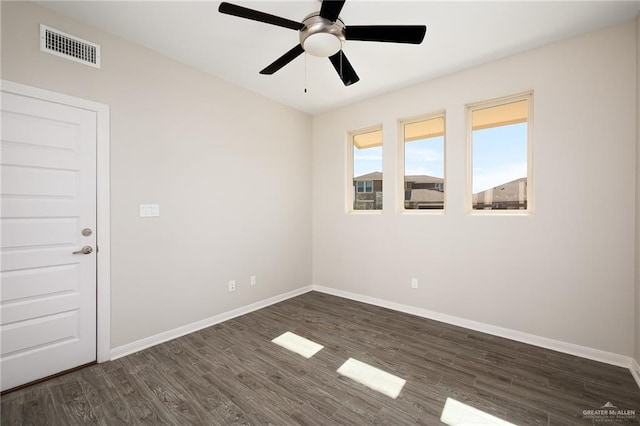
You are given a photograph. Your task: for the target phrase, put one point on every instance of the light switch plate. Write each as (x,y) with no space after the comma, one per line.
(149,210)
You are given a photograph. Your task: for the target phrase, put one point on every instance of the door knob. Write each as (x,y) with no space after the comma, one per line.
(84,250)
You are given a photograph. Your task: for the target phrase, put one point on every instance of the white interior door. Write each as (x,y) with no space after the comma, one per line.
(48,196)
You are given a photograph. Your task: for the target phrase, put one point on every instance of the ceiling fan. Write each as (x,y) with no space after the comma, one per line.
(323,34)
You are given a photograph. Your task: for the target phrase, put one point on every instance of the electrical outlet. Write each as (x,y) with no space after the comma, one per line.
(414,283)
(232,285)
(253,280)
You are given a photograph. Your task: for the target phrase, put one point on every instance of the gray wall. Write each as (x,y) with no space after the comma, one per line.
(232,180)
(567,271)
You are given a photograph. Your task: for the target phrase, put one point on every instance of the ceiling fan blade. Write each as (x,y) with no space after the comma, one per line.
(413,34)
(283,60)
(330,9)
(343,67)
(255,15)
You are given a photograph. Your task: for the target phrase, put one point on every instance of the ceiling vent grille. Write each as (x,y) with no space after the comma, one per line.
(69,47)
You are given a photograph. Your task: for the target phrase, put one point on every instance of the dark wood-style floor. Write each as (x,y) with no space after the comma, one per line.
(231,373)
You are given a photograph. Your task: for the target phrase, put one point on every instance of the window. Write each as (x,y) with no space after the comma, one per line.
(364,186)
(423,154)
(500,138)
(365,176)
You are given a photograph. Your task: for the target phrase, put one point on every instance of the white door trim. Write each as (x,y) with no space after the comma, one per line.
(103,328)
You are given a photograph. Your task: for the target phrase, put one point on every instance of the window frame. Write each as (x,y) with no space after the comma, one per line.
(470,108)
(401,163)
(350,192)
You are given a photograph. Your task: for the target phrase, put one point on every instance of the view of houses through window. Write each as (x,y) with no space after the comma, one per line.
(499,159)
(499,141)
(367,170)
(424,164)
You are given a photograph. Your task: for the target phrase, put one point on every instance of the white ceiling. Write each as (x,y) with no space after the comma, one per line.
(459,35)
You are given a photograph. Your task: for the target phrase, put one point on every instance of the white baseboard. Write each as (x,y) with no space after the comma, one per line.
(165,336)
(532,339)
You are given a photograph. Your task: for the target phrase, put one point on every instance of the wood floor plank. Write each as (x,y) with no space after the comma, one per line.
(145,409)
(115,411)
(309,416)
(256,378)
(244,398)
(11,408)
(229,414)
(181,408)
(197,388)
(397,416)
(232,374)
(40,411)
(63,390)
(97,387)
(301,386)
(78,411)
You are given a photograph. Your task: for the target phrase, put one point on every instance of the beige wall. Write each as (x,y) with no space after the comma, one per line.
(230,170)
(637,252)
(567,271)
(232,174)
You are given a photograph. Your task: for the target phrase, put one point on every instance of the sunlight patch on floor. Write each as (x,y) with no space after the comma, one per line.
(455,413)
(372,377)
(297,344)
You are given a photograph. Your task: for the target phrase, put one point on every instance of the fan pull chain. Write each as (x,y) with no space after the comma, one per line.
(305,72)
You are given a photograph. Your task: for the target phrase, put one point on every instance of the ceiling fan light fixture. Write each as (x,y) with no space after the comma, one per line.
(321,37)
(322,45)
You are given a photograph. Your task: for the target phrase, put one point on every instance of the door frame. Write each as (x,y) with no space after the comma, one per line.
(103,229)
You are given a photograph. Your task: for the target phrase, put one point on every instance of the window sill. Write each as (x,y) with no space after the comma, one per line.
(419,212)
(500,213)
